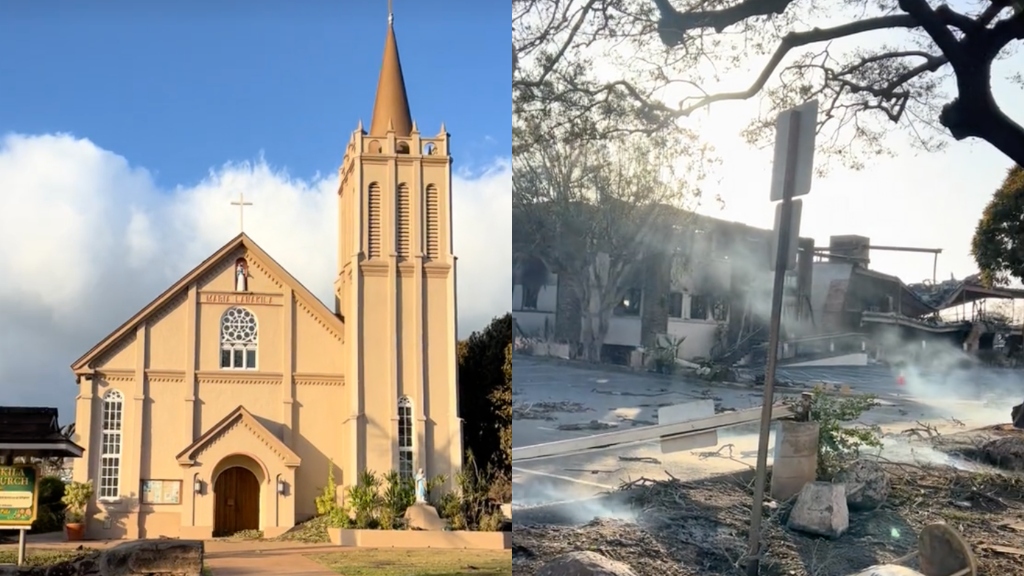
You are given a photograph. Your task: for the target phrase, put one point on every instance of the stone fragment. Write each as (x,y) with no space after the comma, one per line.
(584,564)
(867,485)
(821,509)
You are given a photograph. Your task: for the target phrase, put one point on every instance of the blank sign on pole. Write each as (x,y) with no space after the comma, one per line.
(794,235)
(804,147)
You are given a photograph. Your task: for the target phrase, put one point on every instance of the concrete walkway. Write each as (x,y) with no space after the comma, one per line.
(264,558)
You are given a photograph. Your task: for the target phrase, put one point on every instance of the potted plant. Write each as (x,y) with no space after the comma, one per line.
(76,498)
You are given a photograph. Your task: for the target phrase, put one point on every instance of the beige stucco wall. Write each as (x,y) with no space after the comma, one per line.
(160,384)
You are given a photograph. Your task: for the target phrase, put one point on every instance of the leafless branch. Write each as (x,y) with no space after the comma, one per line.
(794,40)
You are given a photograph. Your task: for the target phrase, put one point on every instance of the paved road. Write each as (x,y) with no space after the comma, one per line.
(551,396)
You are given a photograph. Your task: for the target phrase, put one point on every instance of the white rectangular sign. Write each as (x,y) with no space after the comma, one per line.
(804,148)
(794,235)
(698,410)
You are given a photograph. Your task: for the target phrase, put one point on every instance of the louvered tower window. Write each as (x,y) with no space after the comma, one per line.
(373,244)
(404,235)
(433,224)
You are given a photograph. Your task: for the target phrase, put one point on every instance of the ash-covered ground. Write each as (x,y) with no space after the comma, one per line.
(685,517)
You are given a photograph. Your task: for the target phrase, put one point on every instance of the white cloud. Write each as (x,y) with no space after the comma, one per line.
(89,239)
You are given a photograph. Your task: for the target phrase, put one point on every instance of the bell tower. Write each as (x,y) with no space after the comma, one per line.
(396,290)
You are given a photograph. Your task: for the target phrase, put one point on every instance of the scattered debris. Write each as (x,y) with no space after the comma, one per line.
(658,392)
(644,459)
(592,470)
(921,431)
(593,425)
(635,421)
(545,410)
(1002,549)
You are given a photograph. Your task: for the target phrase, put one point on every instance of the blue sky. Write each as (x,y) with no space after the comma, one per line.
(184,85)
(127,128)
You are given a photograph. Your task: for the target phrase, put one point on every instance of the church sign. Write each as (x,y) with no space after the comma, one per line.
(19,494)
(243,299)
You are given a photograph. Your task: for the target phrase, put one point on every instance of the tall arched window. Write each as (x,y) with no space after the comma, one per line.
(405,469)
(238,339)
(433,222)
(110,445)
(373,221)
(403,234)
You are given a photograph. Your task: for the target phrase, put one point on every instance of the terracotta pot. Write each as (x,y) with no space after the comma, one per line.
(75,532)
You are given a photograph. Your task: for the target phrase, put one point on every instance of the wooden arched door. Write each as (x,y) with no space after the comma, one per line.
(236,502)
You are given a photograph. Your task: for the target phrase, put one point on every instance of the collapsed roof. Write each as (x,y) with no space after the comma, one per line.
(953,292)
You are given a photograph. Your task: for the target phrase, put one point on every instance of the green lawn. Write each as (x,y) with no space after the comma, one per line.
(418,562)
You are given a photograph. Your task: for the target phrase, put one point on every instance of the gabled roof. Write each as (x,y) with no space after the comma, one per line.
(188,456)
(240,241)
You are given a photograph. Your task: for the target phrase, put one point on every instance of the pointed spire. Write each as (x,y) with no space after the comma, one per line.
(391,105)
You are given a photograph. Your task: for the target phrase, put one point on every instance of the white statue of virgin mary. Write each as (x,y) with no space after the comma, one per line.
(421,486)
(240,278)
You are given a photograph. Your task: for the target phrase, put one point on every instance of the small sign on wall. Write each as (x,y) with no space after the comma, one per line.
(161,491)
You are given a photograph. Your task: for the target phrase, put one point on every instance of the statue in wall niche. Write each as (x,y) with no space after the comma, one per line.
(421,487)
(241,276)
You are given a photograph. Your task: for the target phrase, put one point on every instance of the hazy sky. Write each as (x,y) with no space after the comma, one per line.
(127,132)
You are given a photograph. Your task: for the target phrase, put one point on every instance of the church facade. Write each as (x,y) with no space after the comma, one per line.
(221,406)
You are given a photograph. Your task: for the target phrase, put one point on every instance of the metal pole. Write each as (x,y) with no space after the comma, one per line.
(21,547)
(781,263)
(935,269)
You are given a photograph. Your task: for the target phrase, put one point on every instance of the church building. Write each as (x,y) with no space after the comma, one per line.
(221,405)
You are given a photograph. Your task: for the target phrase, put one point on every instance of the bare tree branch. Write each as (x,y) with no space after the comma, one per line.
(935,83)
(794,40)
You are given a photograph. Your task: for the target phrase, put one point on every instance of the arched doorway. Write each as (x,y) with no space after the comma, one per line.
(237,502)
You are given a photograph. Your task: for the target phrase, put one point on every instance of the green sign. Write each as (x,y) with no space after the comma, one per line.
(19,495)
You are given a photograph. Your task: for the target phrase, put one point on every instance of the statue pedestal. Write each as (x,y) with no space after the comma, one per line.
(423,516)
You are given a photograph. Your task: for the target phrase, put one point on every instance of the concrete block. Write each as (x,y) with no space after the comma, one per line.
(821,509)
(867,485)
